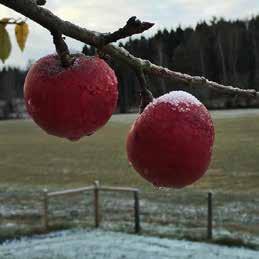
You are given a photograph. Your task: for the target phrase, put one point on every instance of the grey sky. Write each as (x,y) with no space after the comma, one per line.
(108,15)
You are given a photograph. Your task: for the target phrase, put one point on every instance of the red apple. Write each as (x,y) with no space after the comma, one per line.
(170,143)
(71,102)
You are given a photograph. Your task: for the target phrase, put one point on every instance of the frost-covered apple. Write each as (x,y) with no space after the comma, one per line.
(71,102)
(170,143)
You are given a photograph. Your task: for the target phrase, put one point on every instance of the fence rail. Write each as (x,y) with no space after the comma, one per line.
(72,191)
(118,189)
(209,227)
(96,188)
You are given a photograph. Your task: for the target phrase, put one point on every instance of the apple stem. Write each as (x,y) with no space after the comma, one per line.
(62,49)
(146,95)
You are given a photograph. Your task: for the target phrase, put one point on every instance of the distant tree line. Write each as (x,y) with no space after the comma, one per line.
(11,92)
(220,50)
(11,83)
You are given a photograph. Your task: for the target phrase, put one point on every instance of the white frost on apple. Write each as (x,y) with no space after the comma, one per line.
(175,98)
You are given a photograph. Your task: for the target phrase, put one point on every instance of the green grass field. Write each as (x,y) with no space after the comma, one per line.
(31,160)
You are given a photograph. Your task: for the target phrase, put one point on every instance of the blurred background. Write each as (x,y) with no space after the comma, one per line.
(218,40)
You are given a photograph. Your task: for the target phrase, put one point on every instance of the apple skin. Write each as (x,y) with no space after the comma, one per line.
(71,102)
(170,143)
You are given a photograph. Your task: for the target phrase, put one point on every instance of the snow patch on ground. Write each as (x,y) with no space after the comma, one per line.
(110,245)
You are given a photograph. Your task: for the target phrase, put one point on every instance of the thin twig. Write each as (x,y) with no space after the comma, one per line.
(162,72)
(133,26)
(5,23)
(13,21)
(53,23)
(145,95)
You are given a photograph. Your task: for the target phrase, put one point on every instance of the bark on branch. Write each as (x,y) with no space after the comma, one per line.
(47,19)
(133,26)
(145,95)
(40,2)
(62,49)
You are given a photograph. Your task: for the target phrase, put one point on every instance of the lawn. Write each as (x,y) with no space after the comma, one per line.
(31,160)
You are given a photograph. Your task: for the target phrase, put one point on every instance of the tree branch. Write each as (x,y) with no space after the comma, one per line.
(6,21)
(145,95)
(62,49)
(133,26)
(53,23)
(41,2)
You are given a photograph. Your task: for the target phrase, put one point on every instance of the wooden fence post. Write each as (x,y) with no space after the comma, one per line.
(45,209)
(209,228)
(96,204)
(136,209)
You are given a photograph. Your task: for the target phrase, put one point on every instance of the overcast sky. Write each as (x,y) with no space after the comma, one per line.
(108,15)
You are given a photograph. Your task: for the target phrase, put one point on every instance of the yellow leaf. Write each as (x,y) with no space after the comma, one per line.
(5,43)
(21,33)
